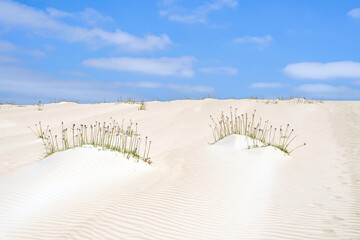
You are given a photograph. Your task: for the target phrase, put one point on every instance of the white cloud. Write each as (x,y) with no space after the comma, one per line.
(252,39)
(27,82)
(14,14)
(190,88)
(74,73)
(176,87)
(319,88)
(267,85)
(226,70)
(314,70)
(142,84)
(154,66)
(7,59)
(354,13)
(58,13)
(92,17)
(23,83)
(9,47)
(321,91)
(6,46)
(89,15)
(198,15)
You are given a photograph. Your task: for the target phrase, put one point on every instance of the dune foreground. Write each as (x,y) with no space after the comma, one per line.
(193,189)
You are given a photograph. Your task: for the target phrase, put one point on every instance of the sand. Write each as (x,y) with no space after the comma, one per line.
(193,189)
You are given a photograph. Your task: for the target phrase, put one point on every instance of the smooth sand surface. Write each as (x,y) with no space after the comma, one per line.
(193,189)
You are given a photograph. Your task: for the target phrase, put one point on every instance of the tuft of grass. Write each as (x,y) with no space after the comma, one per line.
(113,136)
(290,100)
(11,103)
(40,106)
(39,130)
(128,100)
(142,105)
(260,131)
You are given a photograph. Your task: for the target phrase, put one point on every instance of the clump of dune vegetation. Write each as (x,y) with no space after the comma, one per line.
(260,131)
(142,105)
(113,136)
(128,100)
(40,106)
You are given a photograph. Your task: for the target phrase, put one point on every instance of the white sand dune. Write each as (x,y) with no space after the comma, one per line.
(193,190)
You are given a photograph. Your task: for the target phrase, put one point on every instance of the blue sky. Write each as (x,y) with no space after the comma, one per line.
(169,49)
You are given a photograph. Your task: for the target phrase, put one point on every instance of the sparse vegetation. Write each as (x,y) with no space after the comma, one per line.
(40,106)
(142,105)
(262,131)
(7,103)
(291,100)
(112,135)
(128,100)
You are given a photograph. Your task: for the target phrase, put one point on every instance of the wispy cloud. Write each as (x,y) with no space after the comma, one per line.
(74,73)
(7,59)
(197,15)
(354,13)
(252,39)
(31,84)
(153,66)
(35,84)
(172,86)
(8,47)
(315,70)
(89,15)
(267,85)
(327,91)
(259,42)
(55,13)
(221,70)
(14,14)
(320,88)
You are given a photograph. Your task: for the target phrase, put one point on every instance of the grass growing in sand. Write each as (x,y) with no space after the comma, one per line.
(142,105)
(260,132)
(112,135)
(40,106)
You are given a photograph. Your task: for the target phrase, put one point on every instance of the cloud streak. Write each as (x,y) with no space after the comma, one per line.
(89,15)
(354,13)
(259,42)
(171,86)
(253,39)
(320,88)
(14,14)
(198,15)
(267,85)
(315,70)
(151,66)
(327,91)
(32,84)
(220,70)
(8,47)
